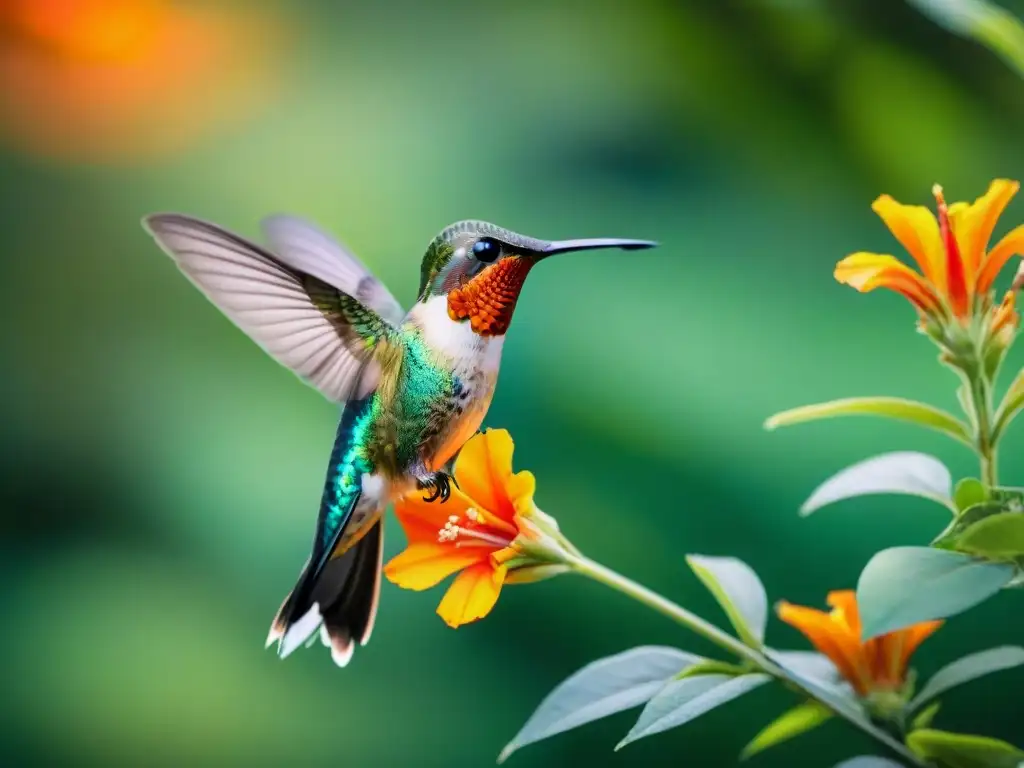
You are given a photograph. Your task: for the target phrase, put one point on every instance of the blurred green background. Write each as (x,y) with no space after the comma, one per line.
(160,475)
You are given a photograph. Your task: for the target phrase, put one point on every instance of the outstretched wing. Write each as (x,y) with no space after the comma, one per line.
(323,334)
(307,248)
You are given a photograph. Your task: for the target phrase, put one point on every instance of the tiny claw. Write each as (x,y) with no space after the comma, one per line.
(439,486)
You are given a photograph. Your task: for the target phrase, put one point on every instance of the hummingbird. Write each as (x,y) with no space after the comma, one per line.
(414,386)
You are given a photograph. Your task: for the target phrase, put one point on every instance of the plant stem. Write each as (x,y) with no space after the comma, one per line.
(594,570)
(981,405)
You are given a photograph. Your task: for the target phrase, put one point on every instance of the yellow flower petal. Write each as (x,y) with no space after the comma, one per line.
(867,271)
(1010,246)
(918,231)
(483,471)
(472,595)
(423,565)
(973,224)
(844,605)
(521,487)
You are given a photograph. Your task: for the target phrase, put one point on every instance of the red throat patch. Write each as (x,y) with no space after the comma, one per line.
(489,299)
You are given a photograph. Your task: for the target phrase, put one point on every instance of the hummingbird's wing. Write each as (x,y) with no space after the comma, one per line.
(324,335)
(303,246)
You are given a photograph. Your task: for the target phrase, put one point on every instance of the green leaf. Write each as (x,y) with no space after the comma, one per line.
(869,761)
(902,472)
(604,687)
(889,407)
(968,492)
(738,590)
(906,585)
(968,668)
(992,26)
(997,536)
(800,719)
(712,667)
(807,664)
(1012,404)
(958,750)
(924,718)
(684,700)
(950,536)
(816,674)
(810,664)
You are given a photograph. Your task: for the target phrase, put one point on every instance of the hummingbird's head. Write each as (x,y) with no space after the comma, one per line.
(480,268)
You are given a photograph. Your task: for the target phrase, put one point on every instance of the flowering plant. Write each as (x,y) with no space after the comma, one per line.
(492,533)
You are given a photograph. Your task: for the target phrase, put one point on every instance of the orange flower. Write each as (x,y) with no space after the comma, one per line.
(489,532)
(951,251)
(877,666)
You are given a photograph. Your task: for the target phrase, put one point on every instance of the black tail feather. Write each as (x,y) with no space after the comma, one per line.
(348,619)
(342,595)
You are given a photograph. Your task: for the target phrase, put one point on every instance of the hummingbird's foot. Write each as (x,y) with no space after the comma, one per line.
(440,487)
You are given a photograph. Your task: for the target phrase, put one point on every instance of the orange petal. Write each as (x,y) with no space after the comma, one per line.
(1010,246)
(421,520)
(832,638)
(913,636)
(422,566)
(483,471)
(974,223)
(472,595)
(918,231)
(867,271)
(879,652)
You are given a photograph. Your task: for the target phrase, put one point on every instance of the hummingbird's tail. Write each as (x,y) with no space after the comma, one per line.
(341,603)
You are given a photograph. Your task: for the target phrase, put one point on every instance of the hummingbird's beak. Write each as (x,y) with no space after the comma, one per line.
(587,244)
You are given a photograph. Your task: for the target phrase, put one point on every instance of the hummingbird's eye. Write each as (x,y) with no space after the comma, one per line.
(486,250)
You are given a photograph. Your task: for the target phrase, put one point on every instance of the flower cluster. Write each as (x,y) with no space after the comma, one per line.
(953,290)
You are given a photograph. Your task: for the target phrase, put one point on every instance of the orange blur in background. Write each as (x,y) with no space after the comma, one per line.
(122,80)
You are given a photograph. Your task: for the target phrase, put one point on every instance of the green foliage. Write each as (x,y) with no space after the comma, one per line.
(1011,405)
(869,761)
(806,664)
(904,472)
(957,750)
(968,668)
(738,590)
(711,667)
(983,21)
(905,585)
(997,537)
(992,528)
(924,718)
(601,688)
(684,700)
(950,536)
(968,492)
(889,407)
(800,719)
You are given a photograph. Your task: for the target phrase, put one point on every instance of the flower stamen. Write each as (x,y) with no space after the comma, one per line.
(471,533)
